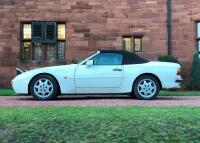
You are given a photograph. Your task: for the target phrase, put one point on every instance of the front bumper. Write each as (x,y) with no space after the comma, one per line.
(20,86)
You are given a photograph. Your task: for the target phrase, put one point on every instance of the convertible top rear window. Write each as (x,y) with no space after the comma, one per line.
(128,57)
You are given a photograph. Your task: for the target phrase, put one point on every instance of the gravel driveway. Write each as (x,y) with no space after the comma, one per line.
(98,101)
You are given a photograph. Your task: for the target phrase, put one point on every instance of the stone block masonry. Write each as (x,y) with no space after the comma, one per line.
(98,24)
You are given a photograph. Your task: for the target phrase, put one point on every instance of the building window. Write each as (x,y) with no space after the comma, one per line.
(27,31)
(132,43)
(61,50)
(27,50)
(61,31)
(43,41)
(198,36)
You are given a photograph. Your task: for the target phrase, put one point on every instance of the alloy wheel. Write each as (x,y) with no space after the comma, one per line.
(146,88)
(43,87)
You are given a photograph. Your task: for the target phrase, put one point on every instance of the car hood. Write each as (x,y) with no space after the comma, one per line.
(50,70)
(68,67)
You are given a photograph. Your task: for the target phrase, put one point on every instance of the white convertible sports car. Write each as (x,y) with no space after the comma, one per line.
(104,72)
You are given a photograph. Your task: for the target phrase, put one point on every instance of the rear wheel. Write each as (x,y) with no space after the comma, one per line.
(146,87)
(44,87)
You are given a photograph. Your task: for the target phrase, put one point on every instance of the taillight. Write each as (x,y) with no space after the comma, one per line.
(179,72)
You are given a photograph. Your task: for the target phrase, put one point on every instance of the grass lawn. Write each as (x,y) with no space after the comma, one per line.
(10,92)
(179,93)
(7,92)
(116,124)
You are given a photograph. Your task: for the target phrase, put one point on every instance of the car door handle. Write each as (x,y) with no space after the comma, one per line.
(117,69)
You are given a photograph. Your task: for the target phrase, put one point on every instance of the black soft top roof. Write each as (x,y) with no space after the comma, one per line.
(128,57)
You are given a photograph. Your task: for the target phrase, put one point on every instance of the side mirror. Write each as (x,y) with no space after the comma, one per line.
(89,63)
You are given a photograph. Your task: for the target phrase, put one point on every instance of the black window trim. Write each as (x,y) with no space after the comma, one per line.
(22,40)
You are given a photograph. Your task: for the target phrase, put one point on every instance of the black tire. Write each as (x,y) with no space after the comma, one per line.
(51,83)
(132,94)
(147,91)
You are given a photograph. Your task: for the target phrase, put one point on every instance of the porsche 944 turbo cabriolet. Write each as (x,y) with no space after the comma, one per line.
(104,72)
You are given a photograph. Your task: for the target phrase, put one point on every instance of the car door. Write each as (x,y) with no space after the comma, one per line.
(105,74)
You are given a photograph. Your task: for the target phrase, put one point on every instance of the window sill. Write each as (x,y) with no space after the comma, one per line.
(41,62)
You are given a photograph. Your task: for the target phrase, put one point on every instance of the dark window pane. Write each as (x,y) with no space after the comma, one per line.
(37,30)
(128,43)
(108,59)
(61,50)
(37,51)
(51,51)
(138,44)
(198,45)
(27,50)
(50,30)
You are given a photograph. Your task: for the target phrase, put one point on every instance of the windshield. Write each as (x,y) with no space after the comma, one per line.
(87,57)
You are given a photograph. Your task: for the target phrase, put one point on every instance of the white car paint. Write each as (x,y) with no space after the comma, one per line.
(80,79)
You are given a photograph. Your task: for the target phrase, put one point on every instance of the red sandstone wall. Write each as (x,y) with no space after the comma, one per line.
(92,25)
(184,14)
(183,31)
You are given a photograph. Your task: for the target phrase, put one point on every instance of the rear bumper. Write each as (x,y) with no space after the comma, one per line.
(176,83)
(179,81)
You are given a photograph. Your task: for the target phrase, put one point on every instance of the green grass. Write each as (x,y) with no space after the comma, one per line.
(7,92)
(179,93)
(116,124)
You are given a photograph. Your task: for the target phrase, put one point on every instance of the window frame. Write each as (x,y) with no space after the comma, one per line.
(133,37)
(44,58)
(197,39)
(60,40)
(22,40)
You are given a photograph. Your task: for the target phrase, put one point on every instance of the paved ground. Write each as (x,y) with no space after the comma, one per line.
(102,101)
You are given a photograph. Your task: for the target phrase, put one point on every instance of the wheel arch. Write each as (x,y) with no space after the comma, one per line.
(59,90)
(149,74)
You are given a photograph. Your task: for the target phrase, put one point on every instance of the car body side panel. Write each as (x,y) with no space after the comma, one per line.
(98,79)
(166,72)
(63,74)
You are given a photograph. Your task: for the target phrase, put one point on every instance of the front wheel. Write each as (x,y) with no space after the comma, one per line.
(146,87)
(44,87)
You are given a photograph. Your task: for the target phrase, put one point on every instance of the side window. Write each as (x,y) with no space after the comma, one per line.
(108,59)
